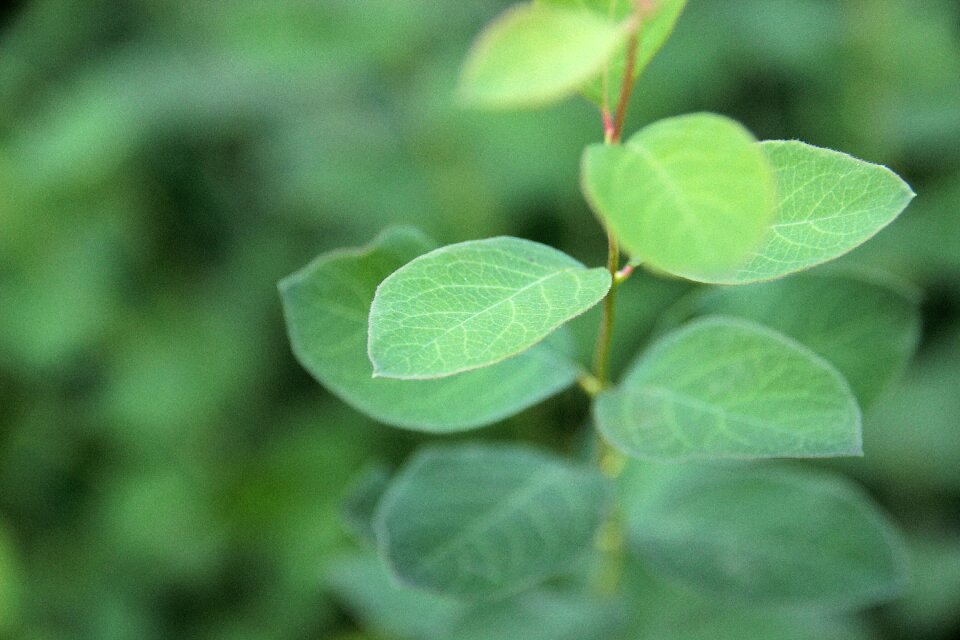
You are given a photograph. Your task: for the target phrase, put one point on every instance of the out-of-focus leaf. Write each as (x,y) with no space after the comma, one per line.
(365,586)
(542,615)
(655,28)
(536,53)
(360,502)
(485,520)
(765,535)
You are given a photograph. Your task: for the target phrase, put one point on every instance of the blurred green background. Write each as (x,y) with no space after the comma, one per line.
(167,470)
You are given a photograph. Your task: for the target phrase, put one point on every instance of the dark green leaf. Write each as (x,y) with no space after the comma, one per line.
(764,535)
(482,520)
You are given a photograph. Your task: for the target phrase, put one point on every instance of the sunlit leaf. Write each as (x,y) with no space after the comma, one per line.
(828,204)
(476,303)
(691,195)
(326,306)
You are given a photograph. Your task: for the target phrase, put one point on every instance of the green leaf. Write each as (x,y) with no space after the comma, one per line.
(727,388)
(361,498)
(365,586)
(866,327)
(542,615)
(764,535)
(828,204)
(326,306)
(664,609)
(483,520)
(10,582)
(691,195)
(654,31)
(534,54)
(476,303)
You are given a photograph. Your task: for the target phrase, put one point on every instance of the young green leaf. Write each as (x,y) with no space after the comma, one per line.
(691,195)
(866,327)
(473,304)
(728,388)
(828,204)
(766,536)
(655,28)
(326,306)
(482,520)
(534,54)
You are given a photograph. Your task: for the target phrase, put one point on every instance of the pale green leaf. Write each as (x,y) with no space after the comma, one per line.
(533,54)
(691,195)
(727,388)
(764,535)
(828,204)
(654,31)
(481,520)
(866,327)
(476,303)
(326,306)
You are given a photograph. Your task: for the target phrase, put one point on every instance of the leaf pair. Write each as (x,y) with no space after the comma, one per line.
(478,522)
(327,305)
(543,51)
(696,196)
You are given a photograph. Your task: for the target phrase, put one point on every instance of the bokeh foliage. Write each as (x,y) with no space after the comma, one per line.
(168,471)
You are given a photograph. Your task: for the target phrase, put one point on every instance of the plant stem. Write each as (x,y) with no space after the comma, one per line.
(627,86)
(610,538)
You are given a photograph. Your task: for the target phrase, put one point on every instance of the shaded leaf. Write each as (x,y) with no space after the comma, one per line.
(326,306)
(765,535)
(482,520)
(691,195)
(475,303)
(727,388)
(542,615)
(361,499)
(365,586)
